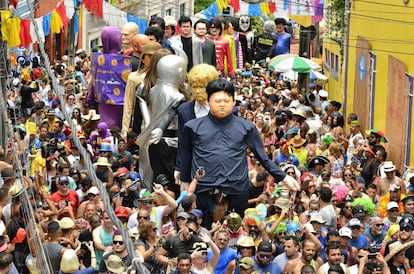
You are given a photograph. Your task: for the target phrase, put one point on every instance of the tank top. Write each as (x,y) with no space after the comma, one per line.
(106,239)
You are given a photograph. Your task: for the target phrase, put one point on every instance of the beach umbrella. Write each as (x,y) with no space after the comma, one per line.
(292,76)
(295,63)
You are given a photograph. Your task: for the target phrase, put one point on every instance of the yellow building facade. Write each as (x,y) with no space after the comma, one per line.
(371,69)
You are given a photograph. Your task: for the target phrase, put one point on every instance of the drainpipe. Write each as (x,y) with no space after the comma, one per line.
(347,16)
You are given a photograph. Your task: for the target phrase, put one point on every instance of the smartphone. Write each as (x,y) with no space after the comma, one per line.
(201,171)
(372,256)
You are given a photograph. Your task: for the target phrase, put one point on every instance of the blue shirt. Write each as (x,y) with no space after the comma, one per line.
(220,146)
(359,242)
(283,43)
(282,160)
(225,258)
(271,268)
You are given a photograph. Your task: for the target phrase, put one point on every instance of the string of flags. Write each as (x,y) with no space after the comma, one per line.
(20,32)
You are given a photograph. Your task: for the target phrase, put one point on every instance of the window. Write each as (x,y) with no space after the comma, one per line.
(182,9)
(94,43)
(168,12)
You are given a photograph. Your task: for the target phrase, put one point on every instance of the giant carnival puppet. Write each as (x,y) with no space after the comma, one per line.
(158,141)
(110,72)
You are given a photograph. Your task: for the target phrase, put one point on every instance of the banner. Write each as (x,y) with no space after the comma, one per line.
(109,76)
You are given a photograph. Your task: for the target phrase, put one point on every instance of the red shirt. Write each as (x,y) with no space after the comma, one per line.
(71,197)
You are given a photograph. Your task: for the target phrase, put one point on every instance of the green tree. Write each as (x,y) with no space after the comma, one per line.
(200,5)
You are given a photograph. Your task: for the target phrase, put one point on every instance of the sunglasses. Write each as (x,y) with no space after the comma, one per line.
(290,173)
(143,217)
(191,230)
(360,256)
(348,207)
(265,256)
(394,210)
(379,225)
(92,195)
(154,229)
(118,242)
(282,233)
(147,202)
(64,183)
(252,227)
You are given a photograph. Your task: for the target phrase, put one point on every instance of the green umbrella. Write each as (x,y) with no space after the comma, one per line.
(295,63)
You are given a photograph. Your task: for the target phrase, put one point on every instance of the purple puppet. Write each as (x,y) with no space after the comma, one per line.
(110,72)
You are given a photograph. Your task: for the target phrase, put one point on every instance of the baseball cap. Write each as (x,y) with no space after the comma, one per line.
(246,263)
(121,211)
(358,211)
(354,222)
(183,215)
(93,190)
(345,232)
(265,247)
(197,212)
(392,205)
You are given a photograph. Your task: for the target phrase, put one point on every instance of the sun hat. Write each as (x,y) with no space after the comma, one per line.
(245,241)
(282,203)
(297,141)
(114,264)
(91,116)
(396,247)
(16,189)
(69,262)
(66,223)
(102,161)
(388,166)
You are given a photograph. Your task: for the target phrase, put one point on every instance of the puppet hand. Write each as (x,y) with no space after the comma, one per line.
(156,135)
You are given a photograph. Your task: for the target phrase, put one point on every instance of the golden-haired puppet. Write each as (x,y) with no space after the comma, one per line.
(198,78)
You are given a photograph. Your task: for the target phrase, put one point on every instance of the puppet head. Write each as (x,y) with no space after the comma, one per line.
(198,78)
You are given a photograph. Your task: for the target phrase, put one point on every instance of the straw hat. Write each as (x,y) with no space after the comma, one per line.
(396,248)
(69,262)
(102,161)
(282,203)
(115,264)
(297,141)
(92,116)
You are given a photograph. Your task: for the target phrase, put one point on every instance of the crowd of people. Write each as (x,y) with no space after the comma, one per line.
(218,166)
